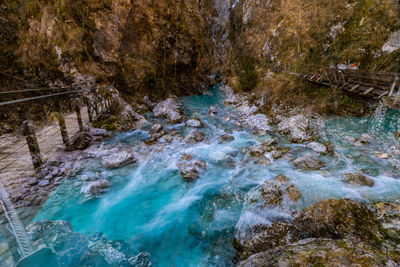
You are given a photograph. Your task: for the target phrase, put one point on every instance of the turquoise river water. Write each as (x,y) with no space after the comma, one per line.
(184,223)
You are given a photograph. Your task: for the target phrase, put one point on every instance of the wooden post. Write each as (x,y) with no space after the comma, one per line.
(79,116)
(89,111)
(31,140)
(63,127)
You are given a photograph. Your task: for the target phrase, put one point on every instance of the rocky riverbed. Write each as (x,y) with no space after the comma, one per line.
(210,181)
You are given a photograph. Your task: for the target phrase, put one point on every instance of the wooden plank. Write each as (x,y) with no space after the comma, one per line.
(368,91)
(354,87)
(382,95)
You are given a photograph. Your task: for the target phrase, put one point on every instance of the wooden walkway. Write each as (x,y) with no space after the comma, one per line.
(372,84)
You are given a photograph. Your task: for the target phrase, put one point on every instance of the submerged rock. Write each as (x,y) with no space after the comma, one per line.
(212,110)
(226,138)
(119,159)
(297,127)
(317,147)
(168,109)
(75,249)
(358,179)
(99,187)
(364,139)
(141,260)
(309,162)
(195,137)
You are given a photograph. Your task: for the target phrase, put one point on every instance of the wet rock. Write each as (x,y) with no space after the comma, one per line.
(156,128)
(227,162)
(388,213)
(99,187)
(358,179)
(277,154)
(282,179)
(397,134)
(141,260)
(338,218)
(381,155)
(190,168)
(293,192)
(271,193)
(317,147)
(309,162)
(364,139)
(44,183)
(195,137)
(256,152)
(261,238)
(119,159)
(297,127)
(225,138)
(168,109)
(268,144)
(258,122)
(193,123)
(321,252)
(212,110)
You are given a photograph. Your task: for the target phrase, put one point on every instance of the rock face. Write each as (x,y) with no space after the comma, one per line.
(297,127)
(119,159)
(168,109)
(317,147)
(358,179)
(329,233)
(75,249)
(309,162)
(195,137)
(190,168)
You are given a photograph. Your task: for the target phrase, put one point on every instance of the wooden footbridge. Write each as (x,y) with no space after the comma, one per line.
(372,84)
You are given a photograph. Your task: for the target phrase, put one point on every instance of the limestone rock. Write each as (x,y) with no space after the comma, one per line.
(271,193)
(257,122)
(282,179)
(190,168)
(358,179)
(99,187)
(43,183)
(193,123)
(293,192)
(194,137)
(309,162)
(317,147)
(156,128)
(168,109)
(119,159)
(226,138)
(297,127)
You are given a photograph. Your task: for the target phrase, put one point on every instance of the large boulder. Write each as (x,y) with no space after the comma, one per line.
(309,162)
(119,159)
(168,109)
(87,137)
(297,127)
(257,123)
(329,233)
(358,179)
